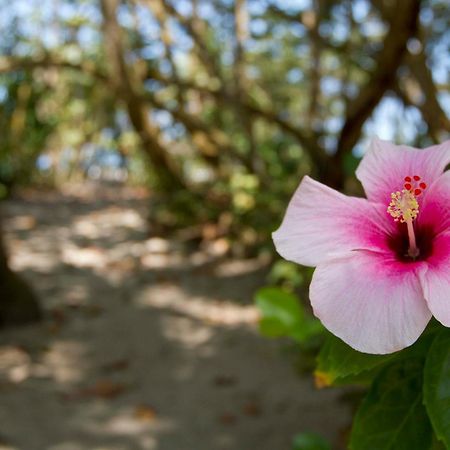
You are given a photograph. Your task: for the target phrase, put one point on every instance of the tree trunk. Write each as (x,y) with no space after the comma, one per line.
(18,303)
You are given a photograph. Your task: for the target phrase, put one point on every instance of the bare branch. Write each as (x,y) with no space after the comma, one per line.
(127,87)
(403,26)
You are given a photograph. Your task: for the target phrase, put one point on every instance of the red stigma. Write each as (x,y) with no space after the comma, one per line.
(412,184)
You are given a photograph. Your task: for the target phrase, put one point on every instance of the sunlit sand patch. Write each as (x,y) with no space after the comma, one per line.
(66,361)
(93,257)
(186,331)
(21,223)
(15,364)
(221,313)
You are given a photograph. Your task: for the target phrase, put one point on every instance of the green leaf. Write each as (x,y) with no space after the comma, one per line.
(282,315)
(310,441)
(392,416)
(437,385)
(285,271)
(338,360)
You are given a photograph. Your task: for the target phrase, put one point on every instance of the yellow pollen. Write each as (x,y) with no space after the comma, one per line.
(404,206)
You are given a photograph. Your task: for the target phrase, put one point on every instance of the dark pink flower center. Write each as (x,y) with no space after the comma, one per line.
(399,243)
(411,242)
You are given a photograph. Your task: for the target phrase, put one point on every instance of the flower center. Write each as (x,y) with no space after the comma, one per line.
(404,208)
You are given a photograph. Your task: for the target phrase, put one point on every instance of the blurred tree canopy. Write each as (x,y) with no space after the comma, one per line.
(227,102)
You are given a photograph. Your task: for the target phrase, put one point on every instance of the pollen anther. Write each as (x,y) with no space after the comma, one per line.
(403,206)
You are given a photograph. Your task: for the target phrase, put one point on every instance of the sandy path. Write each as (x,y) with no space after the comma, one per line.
(143,347)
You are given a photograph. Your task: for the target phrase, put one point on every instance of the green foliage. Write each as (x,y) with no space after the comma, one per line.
(283,315)
(286,273)
(337,360)
(392,416)
(437,385)
(310,441)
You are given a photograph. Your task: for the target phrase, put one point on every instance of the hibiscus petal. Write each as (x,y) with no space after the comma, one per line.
(385,165)
(435,209)
(320,221)
(372,302)
(436,280)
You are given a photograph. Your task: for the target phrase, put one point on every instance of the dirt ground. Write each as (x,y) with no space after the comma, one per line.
(143,346)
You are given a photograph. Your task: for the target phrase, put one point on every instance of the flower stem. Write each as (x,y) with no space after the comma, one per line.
(413,251)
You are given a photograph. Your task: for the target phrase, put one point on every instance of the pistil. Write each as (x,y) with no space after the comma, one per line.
(413,250)
(404,208)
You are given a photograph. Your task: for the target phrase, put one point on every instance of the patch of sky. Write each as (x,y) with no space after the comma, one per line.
(360,10)
(184,7)
(279,31)
(302,49)
(328,143)
(155,50)
(147,24)
(426,16)
(296,5)
(330,85)
(181,38)
(294,75)
(162,118)
(298,30)
(255,46)
(258,27)
(122,120)
(107,133)
(91,11)
(24,49)
(206,11)
(325,29)
(340,32)
(177,131)
(88,36)
(444,100)
(44,162)
(124,16)
(18,8)
(383,123)
(333,125)
(165,67)
(441,62)
(153,85)
(351,89)
(3,93)
(50,38)
(373,27)
(227,57)
(257,7)
(391,121)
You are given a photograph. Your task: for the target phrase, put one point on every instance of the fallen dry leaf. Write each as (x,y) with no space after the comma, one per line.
(105,389)
(119,364)
(145,413)
(225,380)
(252,409)
(227,418)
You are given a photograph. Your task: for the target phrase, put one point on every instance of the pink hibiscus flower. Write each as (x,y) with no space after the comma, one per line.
(383,263)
